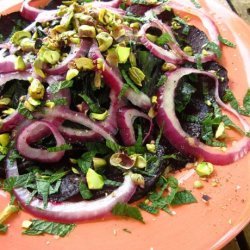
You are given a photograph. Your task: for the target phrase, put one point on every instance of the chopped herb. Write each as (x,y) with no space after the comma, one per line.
(84,191)
(246,101)
(3,229)
(214,48)
(23,111)
(186,28)
(143,2)
(43,187)
(99,147)
(198,61)
(162,81)
(112,183)
(40,227)
(226,42)
(55,87)
(60,101)
(85,161)
(148,208)
(129,81)
(183,197)
(93,107)
(60,148)
(196,4)
(124,89)
(163,39)
(113,146)
(123,209)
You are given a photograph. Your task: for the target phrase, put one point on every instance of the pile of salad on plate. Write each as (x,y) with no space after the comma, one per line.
(101,100)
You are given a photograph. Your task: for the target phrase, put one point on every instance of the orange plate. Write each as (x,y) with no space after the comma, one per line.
(195,226)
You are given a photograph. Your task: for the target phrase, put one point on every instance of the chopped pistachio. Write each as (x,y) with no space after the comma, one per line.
(198,184)
(117,32)
(94,180)
(168,67)
(138,179)
(38,64)
(99,163)
(122,160)
(66,19)
(98,80)
(188,50)
(27,44)
(154,99)
(84,63)
(28,106)
(135,26)
(71,73)
(205,52)
(4,139)
(100,64)
(204,169)
(7,212)
(152,113)
(75,40)
(112,58)
(106,17)
(8,111)
(75,171)
(132,59)
(123,53)
(175,25)
(36,89)
(26,224)
(220,132)
(99,117)
(5,101)
(34,102)
(140,162)
(19,35)
(104,41)
(87,31)
(20,64)
(85,19)
(151,147)
(50,104)
(151,38)
(48,56)
(136,75)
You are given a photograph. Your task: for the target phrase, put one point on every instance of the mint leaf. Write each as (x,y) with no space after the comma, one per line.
(60,148)
(3,229)
(214,48)
(84,191)
(183,197)
(163,39)
(129,81)
(56,87)
(226,42)
(85,161)
(43,187)
(113,146)
(246,101)
(23,111)
(196,4)
(148,208)
(39,227)
(123,209)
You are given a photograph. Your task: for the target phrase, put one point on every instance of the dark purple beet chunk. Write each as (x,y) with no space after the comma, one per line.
(138,9)
(194,129)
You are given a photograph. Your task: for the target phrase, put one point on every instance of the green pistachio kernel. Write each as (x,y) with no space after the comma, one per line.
(8,111)
(138,179)
(94,180)
(49,56)
(99,163)
(198,184)
(4,139)
(28,106)
(19,35)
(123,54)
(75,40)
(220,132)
(87,31)
(50,104)
(136,75)
(151,38)
(38,64)
(20,64)
(99,117)
(135,25)
(34,102)
(27,44)
(132,59)
(7,212)
(188,50)
(36,90)
(71,73)
(168,67)
(140,161)
(5,101)
(84,63)
(204,169)
(104,41)
(151,147)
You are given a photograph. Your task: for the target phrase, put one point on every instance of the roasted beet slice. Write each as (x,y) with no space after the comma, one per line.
(138,9)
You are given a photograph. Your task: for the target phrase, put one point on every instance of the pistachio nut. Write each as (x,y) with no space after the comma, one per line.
(71,73)
(87,31)
(104,41)
(20,64)
(99,117)
(122,160)
(18,36)
(36,90)
(84,63)
(123,53)
(136,75)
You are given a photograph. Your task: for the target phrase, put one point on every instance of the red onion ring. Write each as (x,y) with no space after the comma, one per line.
(25,137)
(110,125)
(28,12)
(125,119)
(75,52)
(7,64)
(114,81)
(103,4)
(172,129)
(71,212)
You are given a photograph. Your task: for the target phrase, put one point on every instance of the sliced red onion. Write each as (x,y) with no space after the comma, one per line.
(166,55)
(71,212)
(75,52)
(125,119)
(108,125)
(114,81)
(106,4)
(25,137)
(46,16)
(29,12)
(172,129)
(11,122)
(7,64)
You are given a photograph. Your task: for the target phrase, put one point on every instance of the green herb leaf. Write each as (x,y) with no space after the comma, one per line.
(226,42)
(85,161)
(124,89)
(23,111)
(186,28)
(196,4)
(39,227)
(55,87)
(148,208)
(123,209)
(246,101)
(43,187)
(113,146)
(198,61)
(162,81)
(93,107)
(60,101)
(14,155)
(60,148)
(3,229)
(163,39)
(112,183)
(214,48)
(183,197)
(129,81)
(84,191)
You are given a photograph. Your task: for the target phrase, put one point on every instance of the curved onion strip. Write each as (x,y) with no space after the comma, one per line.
(29,12)
(7,64)
(46,16)
(172,129)
(113,80)
(11,122)
(106,4)
(125,120)
(72,211)
(164,54)
(109,125)
(25,137)
(75,52)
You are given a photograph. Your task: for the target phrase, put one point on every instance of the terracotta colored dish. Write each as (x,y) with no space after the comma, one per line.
(195,226)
